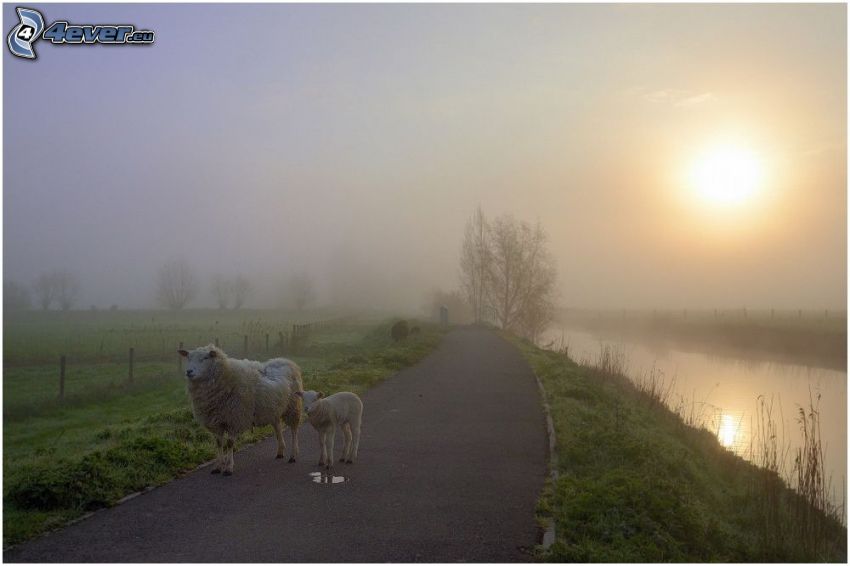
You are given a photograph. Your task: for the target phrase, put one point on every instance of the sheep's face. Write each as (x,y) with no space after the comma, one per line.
(310,398)
(198,362)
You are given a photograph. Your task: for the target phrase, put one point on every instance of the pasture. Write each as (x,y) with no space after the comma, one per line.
(110,436)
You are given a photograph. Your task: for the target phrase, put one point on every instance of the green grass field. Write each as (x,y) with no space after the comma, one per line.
(36,337)
(109,437)
(636,484)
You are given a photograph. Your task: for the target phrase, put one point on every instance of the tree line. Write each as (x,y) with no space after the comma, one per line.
(177,285)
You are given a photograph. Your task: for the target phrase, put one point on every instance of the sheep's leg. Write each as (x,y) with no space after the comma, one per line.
(355,430)
(330,446)
(278,434)
(293,431)
(321,448)
(228,456)
(346,446)
(219,443)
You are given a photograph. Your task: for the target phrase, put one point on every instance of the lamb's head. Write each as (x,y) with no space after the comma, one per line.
(200,360)
(310,398)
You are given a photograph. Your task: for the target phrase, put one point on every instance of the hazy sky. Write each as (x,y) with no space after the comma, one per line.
(353,142)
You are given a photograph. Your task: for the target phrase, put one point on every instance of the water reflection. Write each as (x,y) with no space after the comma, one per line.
(727,432)
(321,477)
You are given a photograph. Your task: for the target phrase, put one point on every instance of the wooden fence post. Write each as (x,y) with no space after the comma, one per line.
(131,365)
(62,378)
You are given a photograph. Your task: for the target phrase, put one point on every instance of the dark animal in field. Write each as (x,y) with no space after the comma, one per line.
(399,331)
(414,331)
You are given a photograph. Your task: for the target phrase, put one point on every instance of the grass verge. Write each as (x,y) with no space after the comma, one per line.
(636,484)
(64,461)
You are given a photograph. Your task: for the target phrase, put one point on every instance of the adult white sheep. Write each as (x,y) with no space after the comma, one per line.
(342,409)
(230,396)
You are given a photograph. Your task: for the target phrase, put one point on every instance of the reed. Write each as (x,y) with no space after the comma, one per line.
(814,512)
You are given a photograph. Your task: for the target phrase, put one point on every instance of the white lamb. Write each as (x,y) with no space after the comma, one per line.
(343,409)
(230,396)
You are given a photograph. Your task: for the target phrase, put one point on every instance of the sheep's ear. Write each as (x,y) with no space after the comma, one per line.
(183,353)
(213,353)
(321,394)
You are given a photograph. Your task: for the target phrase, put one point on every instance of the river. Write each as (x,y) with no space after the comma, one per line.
(724,393)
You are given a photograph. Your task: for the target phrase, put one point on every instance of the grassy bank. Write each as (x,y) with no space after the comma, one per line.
(637,484)
(63,460)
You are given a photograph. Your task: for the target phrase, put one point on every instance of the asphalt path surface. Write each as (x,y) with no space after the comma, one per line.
(452,459)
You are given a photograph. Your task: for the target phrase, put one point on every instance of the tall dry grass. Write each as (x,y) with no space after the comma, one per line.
(815,511)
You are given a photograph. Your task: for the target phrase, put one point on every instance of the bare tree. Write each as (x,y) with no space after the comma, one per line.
(300,291)
(476,263)
(67,289)
(538,301)
(176,284)
(45,290)
(15,297)
(222,290)
(522,280)
(241,290)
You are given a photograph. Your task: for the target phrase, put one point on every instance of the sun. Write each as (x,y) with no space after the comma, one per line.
(726,176)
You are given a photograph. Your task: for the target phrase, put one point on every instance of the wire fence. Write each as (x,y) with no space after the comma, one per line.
(82,372)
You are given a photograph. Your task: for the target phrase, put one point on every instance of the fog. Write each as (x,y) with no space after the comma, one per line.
(353,142)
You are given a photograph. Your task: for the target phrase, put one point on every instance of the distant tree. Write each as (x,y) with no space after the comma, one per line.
(45,290)
(67,289)
(521,284)
(241,288)
(222,290)
(176,284)
(300,291)
(476,263)
(15,297)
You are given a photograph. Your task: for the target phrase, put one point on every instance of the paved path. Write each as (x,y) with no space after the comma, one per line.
(452,458)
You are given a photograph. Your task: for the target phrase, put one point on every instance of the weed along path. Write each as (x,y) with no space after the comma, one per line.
(452,460)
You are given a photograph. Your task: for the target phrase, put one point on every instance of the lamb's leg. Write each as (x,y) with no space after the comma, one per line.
(330,445)
(346,446)
(321,448)
(228,456)
(219,455)
(295,451)
(278,434)
(355,430)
